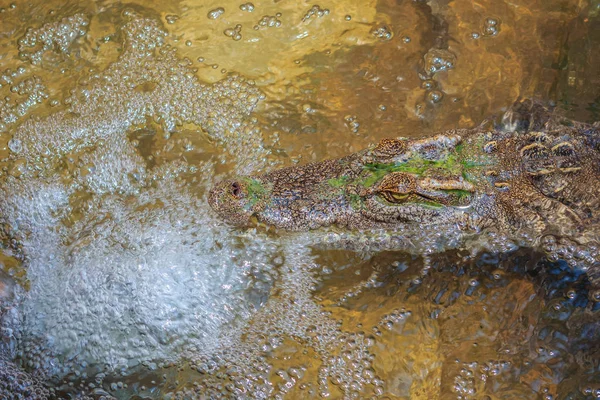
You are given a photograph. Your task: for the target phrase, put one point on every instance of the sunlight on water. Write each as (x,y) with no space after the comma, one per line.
(118,280)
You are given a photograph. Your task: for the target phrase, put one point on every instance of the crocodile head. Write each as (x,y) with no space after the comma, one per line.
(394,184)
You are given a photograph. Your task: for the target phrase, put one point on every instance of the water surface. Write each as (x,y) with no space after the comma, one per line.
(117,278)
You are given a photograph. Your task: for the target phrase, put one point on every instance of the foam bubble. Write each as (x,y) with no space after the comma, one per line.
(59,35)
(18,384)
(138,281)
(147,81)
(121,256)
(291,312)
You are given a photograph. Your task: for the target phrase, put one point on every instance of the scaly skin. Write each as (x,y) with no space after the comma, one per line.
(542,176)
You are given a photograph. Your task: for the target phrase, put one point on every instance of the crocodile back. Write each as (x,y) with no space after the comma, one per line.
(563,163)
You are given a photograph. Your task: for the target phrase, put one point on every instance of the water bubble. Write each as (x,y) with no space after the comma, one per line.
(490,31)
(352,123)
(315,11)
(348,17)
(435,96)
(171,18)
(382,32)
(269,21)
(215,13)
(234,33)
(428,84)
(248,7)
(15,145)
(491,27)
(439,60)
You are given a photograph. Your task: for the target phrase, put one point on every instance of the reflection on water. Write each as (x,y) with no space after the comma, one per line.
(117,280)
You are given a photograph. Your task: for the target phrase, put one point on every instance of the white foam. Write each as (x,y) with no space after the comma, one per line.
(135,286)
(123,261)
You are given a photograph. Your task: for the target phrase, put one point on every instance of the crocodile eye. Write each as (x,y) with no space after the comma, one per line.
(399,196)
(236,190)
(394,197)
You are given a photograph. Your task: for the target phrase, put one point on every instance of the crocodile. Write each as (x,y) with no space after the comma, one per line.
(532,181)
(539,173)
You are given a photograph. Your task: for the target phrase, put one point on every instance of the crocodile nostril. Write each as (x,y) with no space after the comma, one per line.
(236,190)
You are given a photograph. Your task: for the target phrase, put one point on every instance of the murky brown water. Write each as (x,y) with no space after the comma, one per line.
(115,120)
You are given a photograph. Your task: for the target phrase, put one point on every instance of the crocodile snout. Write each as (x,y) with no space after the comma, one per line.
(229,199)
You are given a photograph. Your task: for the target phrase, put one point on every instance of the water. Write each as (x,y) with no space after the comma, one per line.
(117,279)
